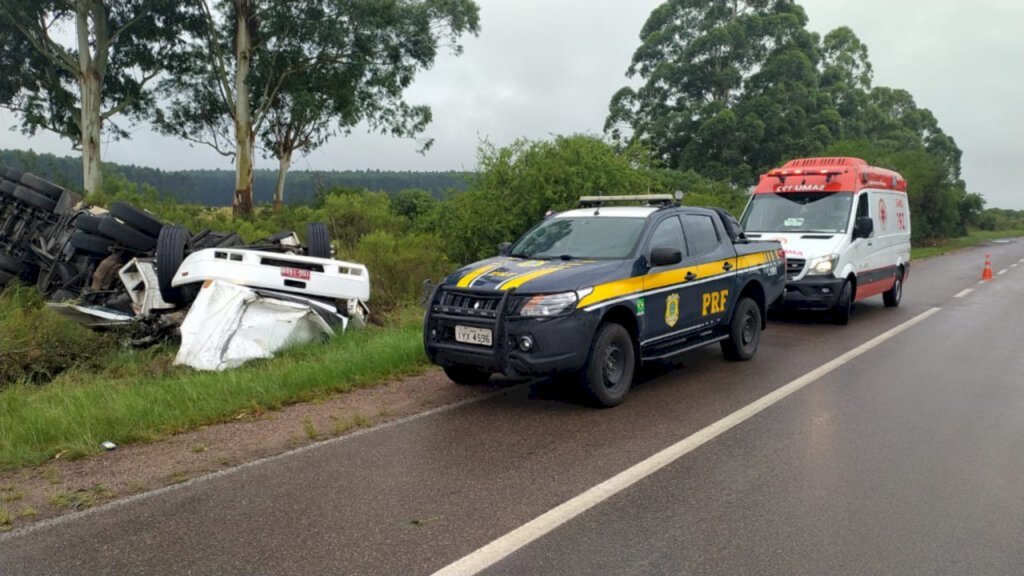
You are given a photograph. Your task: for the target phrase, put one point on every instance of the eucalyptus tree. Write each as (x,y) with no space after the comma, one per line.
(295,73)
(72,66)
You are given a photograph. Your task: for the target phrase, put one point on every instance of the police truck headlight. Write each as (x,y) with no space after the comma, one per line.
(544,305)
(823,265)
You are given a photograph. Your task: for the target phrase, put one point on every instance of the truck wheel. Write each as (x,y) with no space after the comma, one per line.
(171,246)
(844,306)
(895,294)
(5,278)
(126,236)
(34,199)
(11,265)
(744,332)
(138,219)
(318,240)
(608,373)
(41,186)
(467,375)
(90,243)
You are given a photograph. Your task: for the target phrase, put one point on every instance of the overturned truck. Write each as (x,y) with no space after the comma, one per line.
(124,267)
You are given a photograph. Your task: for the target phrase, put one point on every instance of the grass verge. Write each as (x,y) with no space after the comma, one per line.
(973,238)
(139,397)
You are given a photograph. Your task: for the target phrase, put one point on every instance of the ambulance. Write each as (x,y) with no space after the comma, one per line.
(845,229)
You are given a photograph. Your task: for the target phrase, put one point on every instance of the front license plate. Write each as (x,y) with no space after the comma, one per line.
(297,273)
(470,335)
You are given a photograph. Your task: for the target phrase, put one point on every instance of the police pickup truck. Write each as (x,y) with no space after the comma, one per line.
(599,290)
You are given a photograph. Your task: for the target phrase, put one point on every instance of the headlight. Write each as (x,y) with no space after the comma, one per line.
(552,304)
(822,265)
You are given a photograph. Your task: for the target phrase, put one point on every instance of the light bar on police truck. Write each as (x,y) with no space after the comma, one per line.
(650,199)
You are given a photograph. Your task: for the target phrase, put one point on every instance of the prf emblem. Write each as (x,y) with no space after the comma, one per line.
(672,310)
(713,302)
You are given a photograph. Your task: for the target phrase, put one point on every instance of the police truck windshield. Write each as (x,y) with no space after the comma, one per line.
(827,212)
(584,238)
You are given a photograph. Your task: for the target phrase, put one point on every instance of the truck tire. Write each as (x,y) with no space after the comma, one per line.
(744,332)
(467,375)
(611,362)
(171,246)
(5,278)
(318,240)
(91,243)
(138,219)
(11,265)
(895,294)
(13,174)
(34,199)
(41,186)
(88,223)
(844,306)
(127,237)
(7,188)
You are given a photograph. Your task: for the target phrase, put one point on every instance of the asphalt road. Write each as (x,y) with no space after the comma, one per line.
(907,459)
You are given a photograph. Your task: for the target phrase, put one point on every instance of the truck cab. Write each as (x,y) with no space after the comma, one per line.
(599,290)
(845,228)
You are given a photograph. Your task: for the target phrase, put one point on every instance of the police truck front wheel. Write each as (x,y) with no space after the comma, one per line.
(467,375)
(744,331)
(608,373)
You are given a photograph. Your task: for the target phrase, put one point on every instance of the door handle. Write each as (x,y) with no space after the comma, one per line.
(727,266)
(690,276)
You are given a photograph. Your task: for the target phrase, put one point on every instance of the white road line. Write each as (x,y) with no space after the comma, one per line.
(980,282)
(492,553)
(964,293)
(1001,272)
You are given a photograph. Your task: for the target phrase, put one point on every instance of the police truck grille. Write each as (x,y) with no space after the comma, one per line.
(469,303)
(794,266)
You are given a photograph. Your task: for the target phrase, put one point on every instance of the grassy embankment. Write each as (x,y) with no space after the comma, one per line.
(137,395)
(974,238)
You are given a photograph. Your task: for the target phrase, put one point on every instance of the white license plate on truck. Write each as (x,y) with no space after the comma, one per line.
(470,335)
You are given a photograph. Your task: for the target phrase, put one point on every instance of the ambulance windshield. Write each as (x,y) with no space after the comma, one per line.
(821,212)
(598,237)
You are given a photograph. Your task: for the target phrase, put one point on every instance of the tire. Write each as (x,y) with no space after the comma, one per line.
(844,306)
(744,331)
(139,219)
(41,186)
(608,373)
(91,243)
(7,188)
(895,294)
(318,240)
(34,199)
(11,265)
(88,223)
(467,375)
(171,246)
(125,236)
(6,278)
(14,175)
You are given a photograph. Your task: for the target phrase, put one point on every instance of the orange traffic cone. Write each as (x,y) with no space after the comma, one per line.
(986,274)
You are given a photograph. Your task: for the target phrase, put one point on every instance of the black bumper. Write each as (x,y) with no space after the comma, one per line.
(560,344)
(818,293)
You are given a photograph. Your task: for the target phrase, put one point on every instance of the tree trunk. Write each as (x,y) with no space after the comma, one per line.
(285,162)
(244,138)
(89,84)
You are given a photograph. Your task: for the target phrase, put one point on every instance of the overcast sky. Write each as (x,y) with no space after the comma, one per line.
(545,67)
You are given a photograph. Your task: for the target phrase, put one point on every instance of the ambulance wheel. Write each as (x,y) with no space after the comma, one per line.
(744,332)
(844,306)
(608,373)
(467,375)
(895,294)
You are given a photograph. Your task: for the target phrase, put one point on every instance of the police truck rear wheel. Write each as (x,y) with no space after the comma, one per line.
(467,375)
(895,294)
(608,374)
(744,332)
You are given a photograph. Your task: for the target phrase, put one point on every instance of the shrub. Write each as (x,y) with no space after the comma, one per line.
(36,343)
(399,264)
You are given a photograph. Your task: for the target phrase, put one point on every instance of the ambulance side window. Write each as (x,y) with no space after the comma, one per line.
(668,233)
(863,207)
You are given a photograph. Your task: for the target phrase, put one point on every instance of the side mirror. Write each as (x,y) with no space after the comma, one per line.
(863,227)
(664,256)
(503,248)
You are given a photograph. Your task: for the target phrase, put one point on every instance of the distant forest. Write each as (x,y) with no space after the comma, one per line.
(215,187)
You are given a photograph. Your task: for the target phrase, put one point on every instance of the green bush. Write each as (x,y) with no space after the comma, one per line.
(36,344)
(398,266)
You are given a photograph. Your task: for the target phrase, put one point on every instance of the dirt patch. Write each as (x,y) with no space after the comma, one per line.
(59,487)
